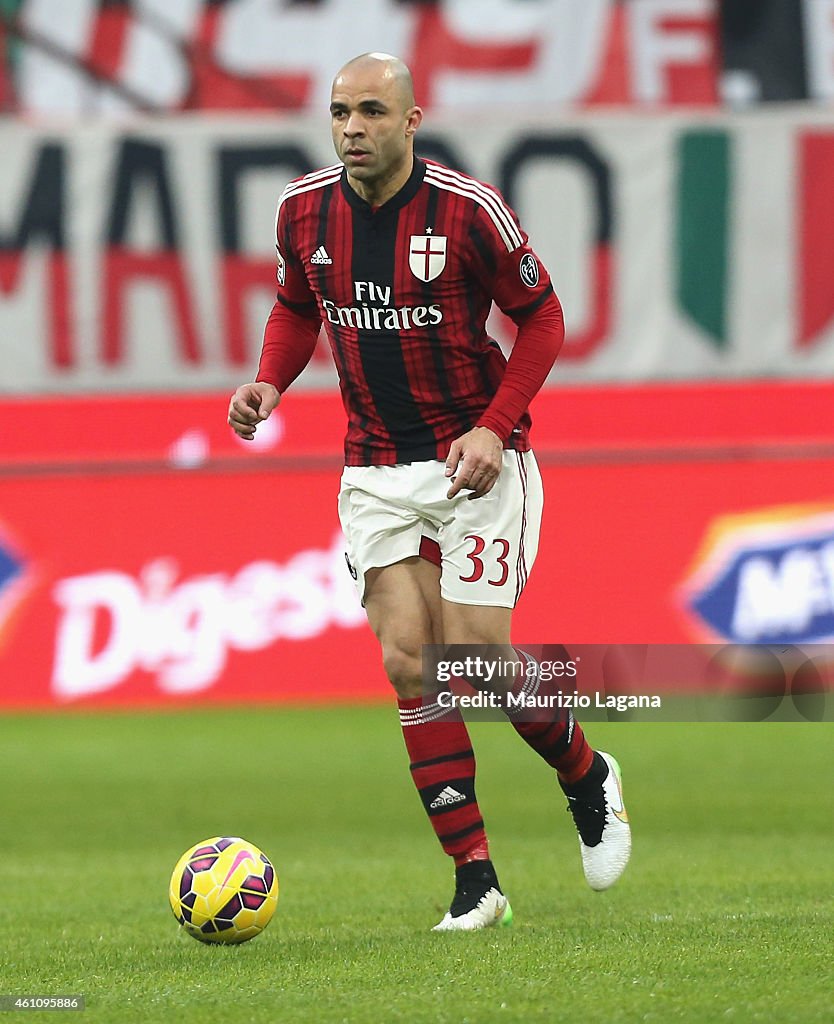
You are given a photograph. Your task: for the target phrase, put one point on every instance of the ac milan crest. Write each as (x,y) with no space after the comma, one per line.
(427,256)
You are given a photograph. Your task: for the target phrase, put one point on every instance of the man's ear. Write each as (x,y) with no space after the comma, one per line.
(414,118)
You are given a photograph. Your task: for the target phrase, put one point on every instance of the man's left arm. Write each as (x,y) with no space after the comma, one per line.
(520,285)
(539,339)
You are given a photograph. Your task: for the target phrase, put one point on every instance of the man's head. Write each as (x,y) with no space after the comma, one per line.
(374,118)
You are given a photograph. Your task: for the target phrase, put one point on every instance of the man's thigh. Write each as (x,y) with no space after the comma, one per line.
(475,623)
(402,602)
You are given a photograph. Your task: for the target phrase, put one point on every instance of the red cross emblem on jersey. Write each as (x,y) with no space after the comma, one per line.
(427,256)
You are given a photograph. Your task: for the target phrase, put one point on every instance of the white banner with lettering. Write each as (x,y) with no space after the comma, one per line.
(142,257)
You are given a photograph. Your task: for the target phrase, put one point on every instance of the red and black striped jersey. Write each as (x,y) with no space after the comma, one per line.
(404,292)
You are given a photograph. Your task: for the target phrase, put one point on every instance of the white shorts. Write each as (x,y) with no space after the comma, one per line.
(487,545)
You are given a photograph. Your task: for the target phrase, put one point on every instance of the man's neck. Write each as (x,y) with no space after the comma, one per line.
(377,193)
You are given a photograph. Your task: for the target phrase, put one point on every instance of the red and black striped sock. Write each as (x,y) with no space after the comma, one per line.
(553,733)
(443,769)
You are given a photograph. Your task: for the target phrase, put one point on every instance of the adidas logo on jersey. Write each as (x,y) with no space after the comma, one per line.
(445,797)
(320,256)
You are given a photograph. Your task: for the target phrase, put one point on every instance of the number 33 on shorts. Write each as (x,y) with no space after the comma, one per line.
(489,546)
(478,547)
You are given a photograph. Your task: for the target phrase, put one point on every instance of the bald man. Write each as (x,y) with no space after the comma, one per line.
(441,499)
(380,159)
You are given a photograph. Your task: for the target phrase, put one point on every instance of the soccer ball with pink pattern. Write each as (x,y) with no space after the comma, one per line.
(223,890)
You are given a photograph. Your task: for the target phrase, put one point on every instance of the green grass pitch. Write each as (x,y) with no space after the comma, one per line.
(725,914)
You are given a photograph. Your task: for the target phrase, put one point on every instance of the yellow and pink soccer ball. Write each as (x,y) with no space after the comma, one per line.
(223,890)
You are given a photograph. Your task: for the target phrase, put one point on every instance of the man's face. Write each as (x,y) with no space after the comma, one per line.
(371,123)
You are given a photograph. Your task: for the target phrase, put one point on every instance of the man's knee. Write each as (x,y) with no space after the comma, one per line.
(404,668)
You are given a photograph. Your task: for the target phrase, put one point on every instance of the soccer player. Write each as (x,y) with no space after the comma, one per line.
(401,258)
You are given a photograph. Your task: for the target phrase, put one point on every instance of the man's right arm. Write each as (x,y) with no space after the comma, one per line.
(290,336)
(289,342)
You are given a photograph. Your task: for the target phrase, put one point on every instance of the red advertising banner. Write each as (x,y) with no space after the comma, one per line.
(149,586)
(149,557)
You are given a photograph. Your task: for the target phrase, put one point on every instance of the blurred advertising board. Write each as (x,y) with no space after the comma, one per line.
(147,557)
